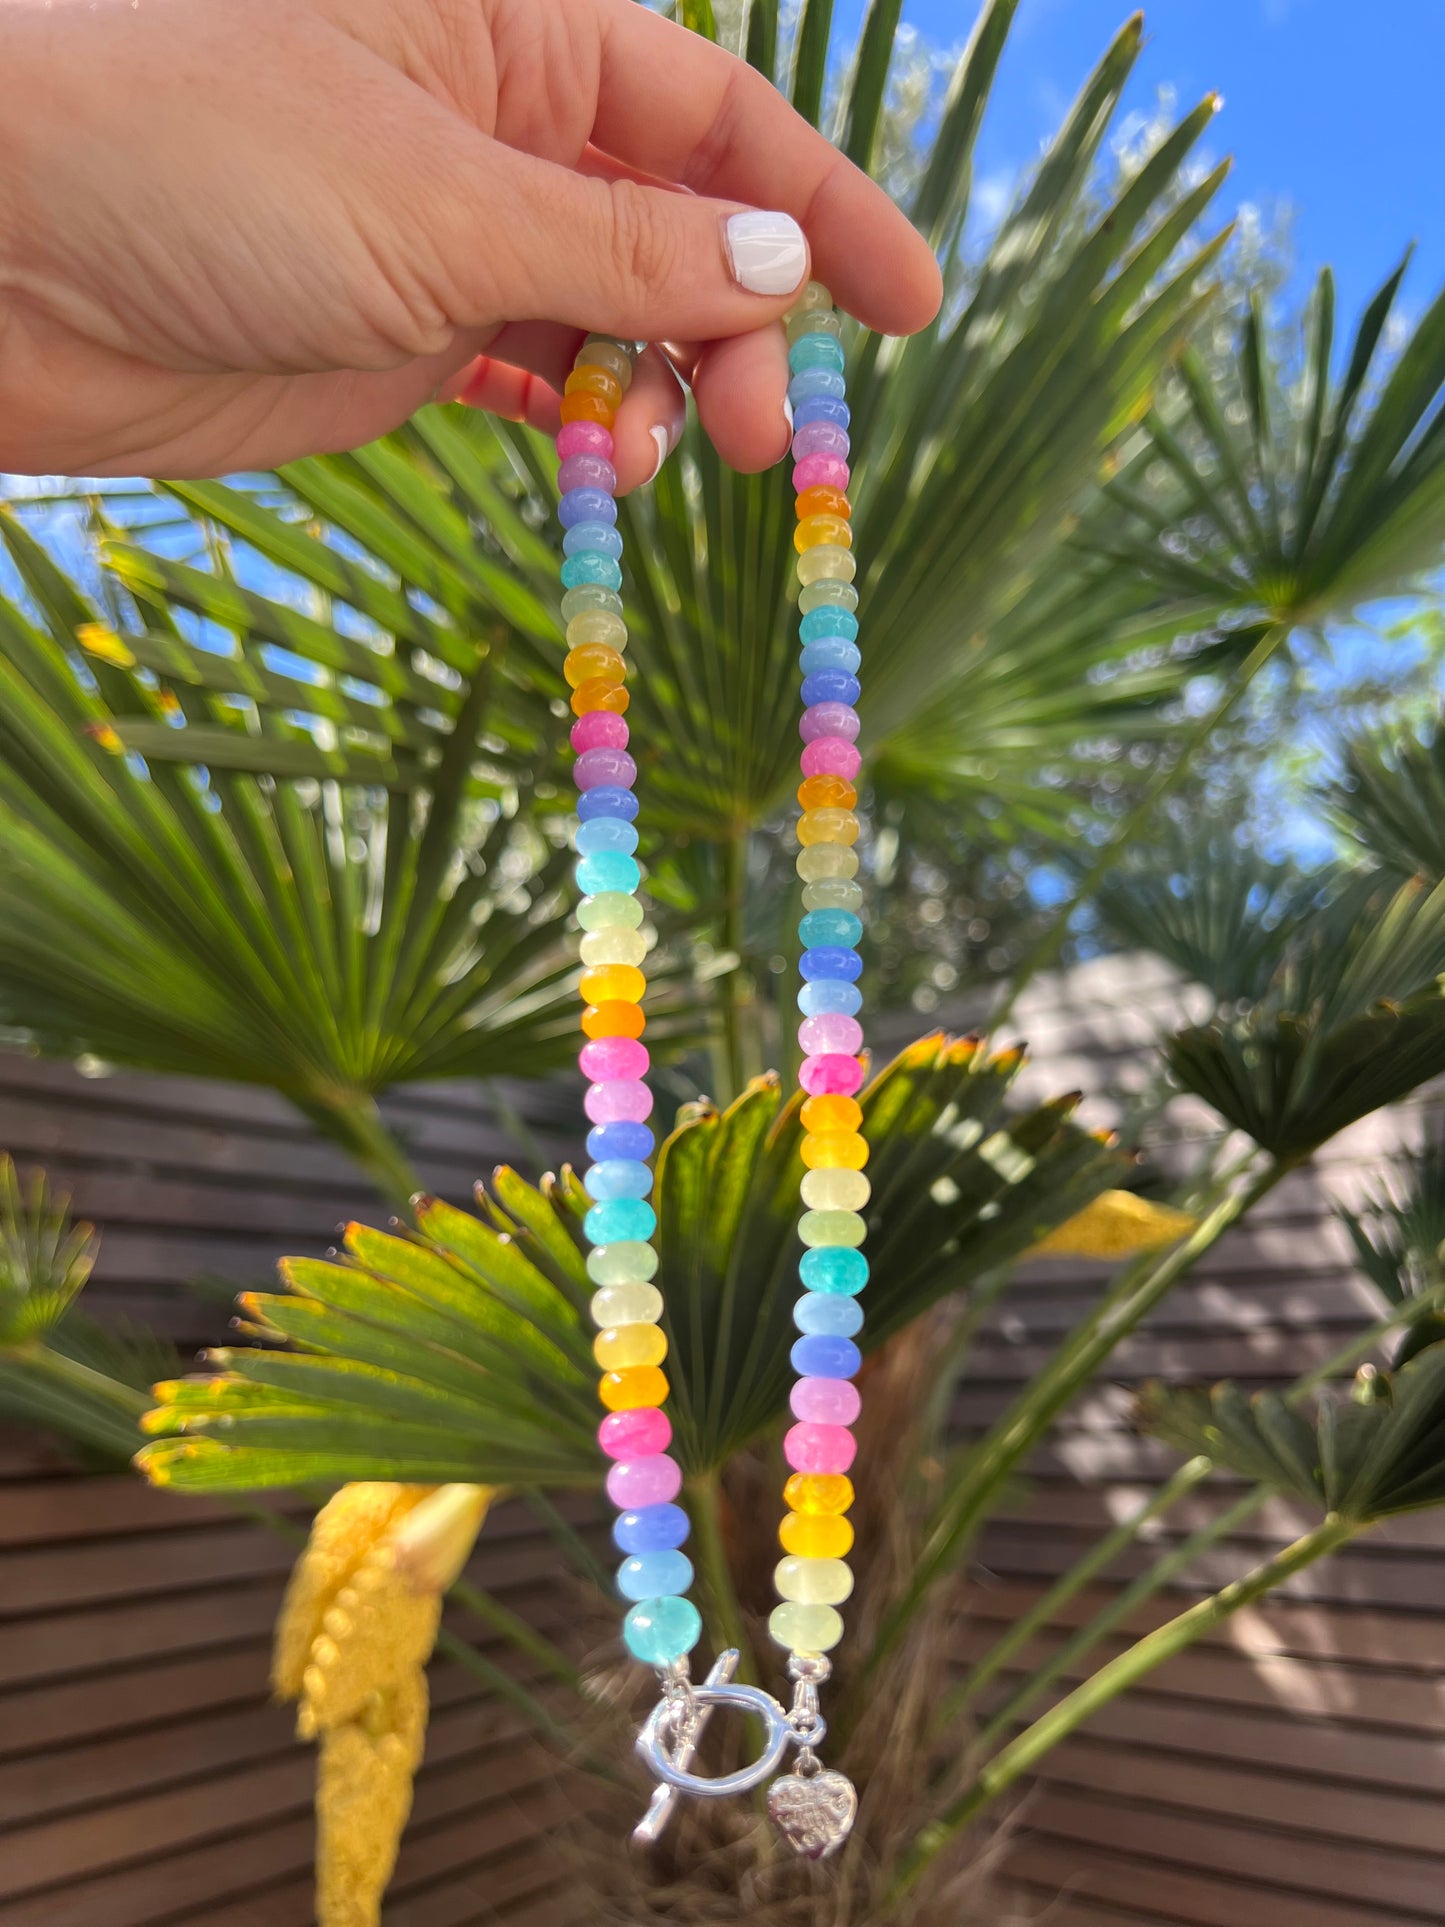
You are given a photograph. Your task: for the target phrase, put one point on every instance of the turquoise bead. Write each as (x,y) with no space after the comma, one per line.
(833,1268)
(828,1313)
(592,538)
(654,1575)
(658,1631)
(815,351)
(618,1221)
(605,833)
(830,927)
(615,1178)
(591,567)
(818,623)
(608,870)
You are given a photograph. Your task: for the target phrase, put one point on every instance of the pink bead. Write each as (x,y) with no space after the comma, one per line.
(599,728)
(829,719)
(816,1448)
(584,438)
(831,756)
(610,1060)
(613,767)
(586,471)
(814,471)
(643,1433)
(830,1075)
(652,1480)
(825,1401)
(829,1033)
(820,438)
(618,1103)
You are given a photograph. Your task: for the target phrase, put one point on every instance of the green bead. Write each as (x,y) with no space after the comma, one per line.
(814,321)
(827,1191)
(805,1629)
(609,910)
(826,563)
(831,1228)
(828,594)
(622,1264)
(833,893)
(820,861)
(630,1304)
(813,1582)
(658,1631)
(613,945)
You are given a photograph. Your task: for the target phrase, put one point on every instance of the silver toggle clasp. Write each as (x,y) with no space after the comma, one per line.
(670,1737)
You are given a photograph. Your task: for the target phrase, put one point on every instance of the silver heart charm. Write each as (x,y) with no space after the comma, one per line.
(814,1812)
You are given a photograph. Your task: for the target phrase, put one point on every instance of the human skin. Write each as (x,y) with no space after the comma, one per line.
(235,232)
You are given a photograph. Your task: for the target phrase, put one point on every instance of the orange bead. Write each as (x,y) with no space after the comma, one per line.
(594,381)
(816,1535)
(597,694)
(593,662)
(613,983)
(587,408)
(823,500)
(835,1151)
(638,1385)
(818,1492)
(832,1113)
(826,793)
(613,1020)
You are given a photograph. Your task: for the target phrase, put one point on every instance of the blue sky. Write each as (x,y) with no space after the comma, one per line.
(1333,106)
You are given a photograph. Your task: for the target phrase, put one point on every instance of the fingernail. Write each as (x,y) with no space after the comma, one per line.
(766,250)
(664,443)
(788,413)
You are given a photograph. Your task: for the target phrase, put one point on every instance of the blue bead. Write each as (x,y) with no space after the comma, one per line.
(652,1528)
(815,351)
(605,833)
(609,871)
(813,382)
(827,622)
(821,408)
(828,1313)
(829,653)
(829,686)
(828,996)
(608,799)
(619,1221)
(588,567)
(618,1178)
(621,1139)
(818,1356)
(596,537)
(822,928)
(834,1268)
(653,1575)
(658,1631)
(831,960)
(586,505)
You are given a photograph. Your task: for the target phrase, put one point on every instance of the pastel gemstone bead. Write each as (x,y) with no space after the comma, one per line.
(606,1059)
(651,1575)
(647,1481)
(834,961)
(831,1072)
(830,1032)
(637,1385)
(818,1448)
(830,755)
(586,505)
(815,1535)
(658,1631)
(831,1228)
(828,719)
(829,655)
(596,538)
(621,1220)
(830,686)
(616,981)
(586,472)
(812,321)
(827,622)
(606,1104)
(817,862)
(613,1019)
(813,1492)
(836,1190)
(585,380)
(830,471)
(620,1141)
(816,531)
(611,870)
(637,1434)
(623,1348)
(815,381)
(820,438)
(618,1178)
(822,501)
(828,1313)
(651,1528)
(608,799)
(813,1582)
(584,438)
(590,598)
(614,946)
(600,729)
(632,1301)
(831,1114)
(834,893)
(829,995)
(821,1357)
(827,594)
(826,1401)
(815,349)
(590,567)
(597,626)
(827,826)
(822,927)
(835,1151)
(839,1268)
(606,351)
(821,408)
(612,767)
(805,1629)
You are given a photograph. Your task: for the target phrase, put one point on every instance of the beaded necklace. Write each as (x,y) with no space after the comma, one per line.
(813,1807)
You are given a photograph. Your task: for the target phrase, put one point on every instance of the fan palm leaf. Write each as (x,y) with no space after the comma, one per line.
(1390,800)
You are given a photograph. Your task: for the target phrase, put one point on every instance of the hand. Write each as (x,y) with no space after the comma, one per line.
(234,232)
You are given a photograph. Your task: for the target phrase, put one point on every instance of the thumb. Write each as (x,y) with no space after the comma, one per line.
(645,262)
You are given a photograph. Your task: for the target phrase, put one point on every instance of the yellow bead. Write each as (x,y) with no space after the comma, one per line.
(835,1151)
(621,1346)
(815,1535)
(597,625)
(620,983)
(827,826)
(813,297)
(638,1385)
(588,378)
(813,1582)
(826,563)
(638,1304)
(615,945)
(593,663)
(602,351)
(835,1190)
(816,529)
(817,862)
(805,1629)
(818,1492)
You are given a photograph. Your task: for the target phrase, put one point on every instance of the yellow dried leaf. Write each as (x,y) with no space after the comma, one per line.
(1116,1225)
(99,639)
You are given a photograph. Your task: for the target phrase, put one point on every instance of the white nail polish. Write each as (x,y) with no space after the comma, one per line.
(664,443)
(766,250)
(788,413)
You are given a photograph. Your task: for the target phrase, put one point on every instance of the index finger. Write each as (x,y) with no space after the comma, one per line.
(676,106)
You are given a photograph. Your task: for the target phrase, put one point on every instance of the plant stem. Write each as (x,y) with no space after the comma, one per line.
(737,991)
(705,1493)
(352,1120)
(526,1638)
(1117,1677)
(505,1687)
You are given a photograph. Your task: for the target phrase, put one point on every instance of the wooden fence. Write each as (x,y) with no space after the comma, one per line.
(1288,1773)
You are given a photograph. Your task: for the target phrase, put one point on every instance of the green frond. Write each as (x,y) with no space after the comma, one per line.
(1389,799)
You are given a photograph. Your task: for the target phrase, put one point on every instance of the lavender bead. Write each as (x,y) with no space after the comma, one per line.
(607,768)
(635,1483)
(587,471)
(819,438)
(823,719)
